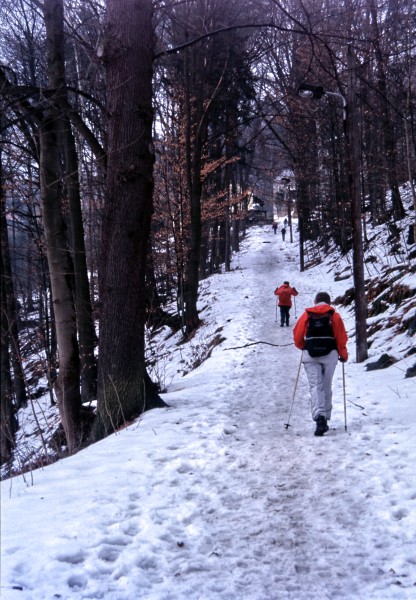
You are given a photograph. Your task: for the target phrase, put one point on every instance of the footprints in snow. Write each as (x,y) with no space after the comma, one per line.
(107,551)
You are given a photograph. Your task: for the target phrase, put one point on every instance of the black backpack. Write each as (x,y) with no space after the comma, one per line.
(319,338)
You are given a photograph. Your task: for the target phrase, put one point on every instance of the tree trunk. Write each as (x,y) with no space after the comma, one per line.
(124,387)
(59,259)
(85,323)
(7,418)
(227,261)
(193,168)
(409,155)
(300,197)
(358,251)
(57,80)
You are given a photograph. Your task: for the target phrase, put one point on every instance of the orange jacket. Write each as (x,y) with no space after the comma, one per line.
(340,334)
(285,292)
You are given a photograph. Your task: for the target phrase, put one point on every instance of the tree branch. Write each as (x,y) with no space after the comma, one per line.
(260,342)
(302,31)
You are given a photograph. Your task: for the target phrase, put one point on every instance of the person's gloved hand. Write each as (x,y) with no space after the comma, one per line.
(343,360)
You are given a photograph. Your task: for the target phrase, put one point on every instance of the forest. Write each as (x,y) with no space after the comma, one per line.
(137,140)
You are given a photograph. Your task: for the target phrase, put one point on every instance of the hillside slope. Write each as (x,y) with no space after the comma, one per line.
(213,497)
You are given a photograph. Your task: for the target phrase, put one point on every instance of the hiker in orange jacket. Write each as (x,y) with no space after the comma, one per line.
(285,293)
(320,334)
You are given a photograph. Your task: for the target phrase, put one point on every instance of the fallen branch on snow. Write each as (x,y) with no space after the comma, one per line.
(355,404)
(254,343)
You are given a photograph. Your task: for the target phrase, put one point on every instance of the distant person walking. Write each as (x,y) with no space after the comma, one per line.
(283,233)
(285,293)
(320,334)
(285,222)
(274,227)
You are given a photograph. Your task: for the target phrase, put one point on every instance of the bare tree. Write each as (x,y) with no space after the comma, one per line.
(124,386)
(212,79)
(56,235)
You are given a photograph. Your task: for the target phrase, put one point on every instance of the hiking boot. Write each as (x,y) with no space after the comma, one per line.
(321,426)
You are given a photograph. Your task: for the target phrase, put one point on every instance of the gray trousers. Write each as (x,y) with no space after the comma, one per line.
(320,372)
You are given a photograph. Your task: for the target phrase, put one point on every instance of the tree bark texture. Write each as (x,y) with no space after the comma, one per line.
(124,387)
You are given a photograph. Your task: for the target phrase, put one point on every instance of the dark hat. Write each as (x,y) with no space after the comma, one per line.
(322,297)
(286,283)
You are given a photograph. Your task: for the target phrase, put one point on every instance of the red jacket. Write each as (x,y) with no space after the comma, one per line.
(340,334)
(285,292)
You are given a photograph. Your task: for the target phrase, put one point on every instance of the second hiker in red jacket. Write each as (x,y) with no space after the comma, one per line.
(285,293)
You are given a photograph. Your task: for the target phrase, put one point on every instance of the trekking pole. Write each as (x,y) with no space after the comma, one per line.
(294,301)
(287,425)
(345,400)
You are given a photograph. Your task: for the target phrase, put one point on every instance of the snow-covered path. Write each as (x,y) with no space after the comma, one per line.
(213,498)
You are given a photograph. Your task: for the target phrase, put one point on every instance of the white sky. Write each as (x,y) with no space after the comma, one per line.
(213,498)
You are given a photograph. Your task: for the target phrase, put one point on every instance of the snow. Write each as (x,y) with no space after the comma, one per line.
(213,498)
